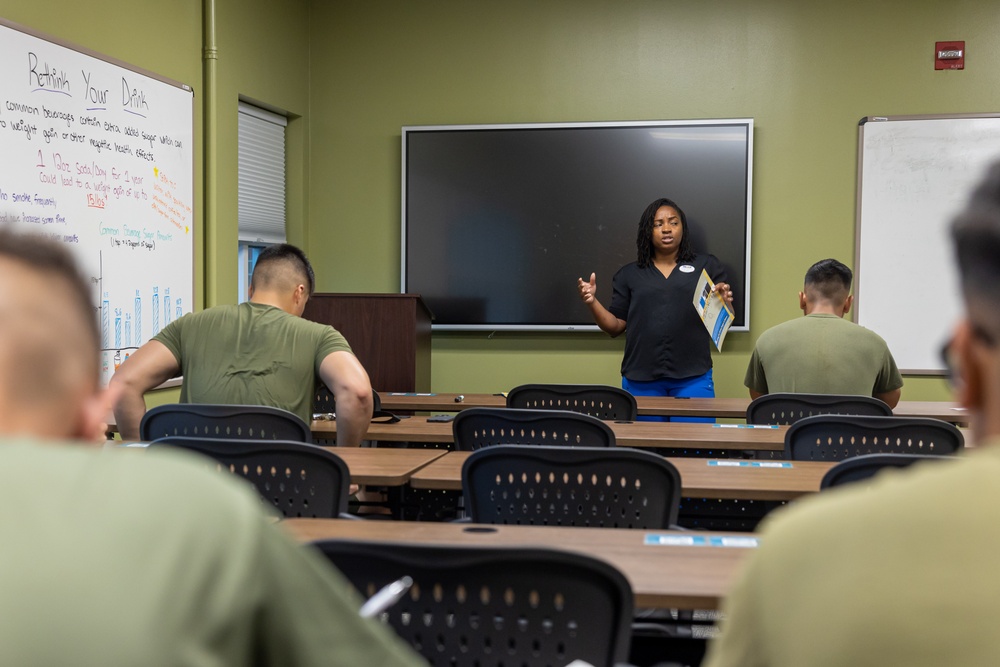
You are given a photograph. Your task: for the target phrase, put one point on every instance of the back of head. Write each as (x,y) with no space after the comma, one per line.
(828,280)
(282,268)
(49,337)
(976,233)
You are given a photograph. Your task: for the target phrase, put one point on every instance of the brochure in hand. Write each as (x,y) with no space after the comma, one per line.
(713,310)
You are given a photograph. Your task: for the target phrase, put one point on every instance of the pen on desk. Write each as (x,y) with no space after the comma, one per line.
(459,398)
(387,596)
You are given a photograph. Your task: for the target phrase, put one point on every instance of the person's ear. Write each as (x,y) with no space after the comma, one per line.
(802,301)
(848,303)
(92,422)
(969,378)
(299,299)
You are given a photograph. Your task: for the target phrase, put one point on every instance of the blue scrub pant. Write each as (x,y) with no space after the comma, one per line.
(699,386)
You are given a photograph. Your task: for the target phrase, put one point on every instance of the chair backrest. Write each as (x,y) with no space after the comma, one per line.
(484,427)
(789,408)
(206,420)
(863,468)
(839,437)
(596,400)
(300,479)
(325,402)
(579,486)
(495,606)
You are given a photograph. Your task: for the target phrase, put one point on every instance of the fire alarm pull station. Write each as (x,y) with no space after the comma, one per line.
(949,55)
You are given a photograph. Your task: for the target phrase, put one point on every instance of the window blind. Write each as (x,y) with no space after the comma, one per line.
(261,175)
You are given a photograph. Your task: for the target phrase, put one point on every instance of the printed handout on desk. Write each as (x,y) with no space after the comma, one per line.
(713,310)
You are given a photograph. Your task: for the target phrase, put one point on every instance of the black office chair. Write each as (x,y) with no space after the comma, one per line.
(484,427)
(325,406)
(863,468)
(299,479)
(596,400)
(475,606)
(204,420)
(783,408)
(578,486)
(839,437)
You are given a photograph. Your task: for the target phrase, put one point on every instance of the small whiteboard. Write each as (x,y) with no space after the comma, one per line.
(914,174)
(98,155)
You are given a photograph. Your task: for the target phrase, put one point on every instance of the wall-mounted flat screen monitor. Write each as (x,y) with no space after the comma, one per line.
(499,221)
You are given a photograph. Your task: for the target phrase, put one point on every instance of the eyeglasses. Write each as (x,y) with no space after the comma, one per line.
(949,356)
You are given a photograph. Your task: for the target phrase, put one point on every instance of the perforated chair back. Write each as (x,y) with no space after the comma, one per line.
(579,486)
(478,606)
(325,402)
(206,420)
(789,408)
(839,437)
(299,479)
(863,468)
(596,400)
(484,427)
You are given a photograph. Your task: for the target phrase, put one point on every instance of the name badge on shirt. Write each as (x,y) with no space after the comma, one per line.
(686,268)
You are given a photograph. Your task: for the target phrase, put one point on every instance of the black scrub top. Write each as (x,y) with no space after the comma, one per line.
(664,337)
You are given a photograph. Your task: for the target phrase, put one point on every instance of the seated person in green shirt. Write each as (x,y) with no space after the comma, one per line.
(822,353)
(117,557)
(257,353)
(901,571)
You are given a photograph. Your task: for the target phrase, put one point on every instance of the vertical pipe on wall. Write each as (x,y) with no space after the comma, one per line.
(210,58)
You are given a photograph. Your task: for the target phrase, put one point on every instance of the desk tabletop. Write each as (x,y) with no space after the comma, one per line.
(731,408)
(661,575)
(629,434)
(385,466)
(700,478)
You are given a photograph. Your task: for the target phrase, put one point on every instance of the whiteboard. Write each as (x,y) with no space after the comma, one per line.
(915,173)
(98,155)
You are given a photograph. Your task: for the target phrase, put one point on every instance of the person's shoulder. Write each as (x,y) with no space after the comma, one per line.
(894,499)
(704,260)
(181,492)
(782,330)
(871,335)
(627,269)
(213,313)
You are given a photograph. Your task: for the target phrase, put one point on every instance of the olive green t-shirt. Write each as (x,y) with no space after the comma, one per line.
(822,354)
(251,354)
(899,572)
(132,557)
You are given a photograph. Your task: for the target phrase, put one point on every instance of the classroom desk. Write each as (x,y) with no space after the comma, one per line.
(368,465)
(730,408)
(733,479)
(678,577)
(631,434)
(385,466)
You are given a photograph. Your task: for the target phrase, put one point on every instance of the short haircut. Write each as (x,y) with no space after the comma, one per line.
(50,340)
(274,264)
(829,279)
(976,234)
(46,256)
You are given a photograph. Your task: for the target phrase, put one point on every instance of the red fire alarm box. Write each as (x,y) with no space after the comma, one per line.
(949,55)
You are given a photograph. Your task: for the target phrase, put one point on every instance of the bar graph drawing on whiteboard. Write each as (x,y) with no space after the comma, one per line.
(121,318)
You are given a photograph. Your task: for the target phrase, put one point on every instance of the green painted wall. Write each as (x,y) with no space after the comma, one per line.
(352,72)
(806,72)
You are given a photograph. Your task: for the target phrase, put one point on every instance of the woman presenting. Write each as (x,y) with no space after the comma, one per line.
(667,348)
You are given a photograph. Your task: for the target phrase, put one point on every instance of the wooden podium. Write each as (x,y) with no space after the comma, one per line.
(389,333)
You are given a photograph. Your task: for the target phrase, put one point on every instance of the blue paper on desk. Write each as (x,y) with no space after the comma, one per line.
(676,540)
(732,463)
